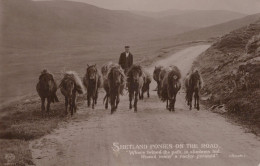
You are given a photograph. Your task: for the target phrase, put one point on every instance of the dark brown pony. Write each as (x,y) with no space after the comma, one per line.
(146,87)
(193,84)
(46,88)
(156,74)
(114,86)
(92,81)
(71,85)
(170,86)
(104,70)
(162,75)
(135,84)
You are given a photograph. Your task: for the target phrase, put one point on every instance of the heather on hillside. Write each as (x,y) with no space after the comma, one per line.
(231,72)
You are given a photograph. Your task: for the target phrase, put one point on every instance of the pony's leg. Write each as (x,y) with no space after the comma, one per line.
(117,100)
(191,96)
(112,100)
(173,102)
(130,100)
(43,105)
(66,105)
(88,99)
(170,105)
(74,103)
(93,101)
(106,105)
(71,105)
(96,97)
(48,104)
(148,93)
(197,100)
(158,89)
(136,100)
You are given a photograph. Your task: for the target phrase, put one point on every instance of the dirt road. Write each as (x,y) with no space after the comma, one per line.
(152,136)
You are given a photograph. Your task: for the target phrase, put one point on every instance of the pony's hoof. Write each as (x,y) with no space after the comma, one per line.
(112,111)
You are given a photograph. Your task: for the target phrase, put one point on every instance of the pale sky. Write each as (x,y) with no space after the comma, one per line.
(243,6)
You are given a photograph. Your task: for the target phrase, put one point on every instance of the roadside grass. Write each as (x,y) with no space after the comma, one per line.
(23,122)
(15,152)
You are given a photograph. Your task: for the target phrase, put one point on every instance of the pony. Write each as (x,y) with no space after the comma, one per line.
(193,84)
(170,86)
(135,84)
(146,86)
(71,85)
(92,81)
(162,74)
(46,89)
(104,71)
(114,86)
(156,74)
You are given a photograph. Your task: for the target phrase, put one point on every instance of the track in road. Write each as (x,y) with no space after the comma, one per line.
(89,137)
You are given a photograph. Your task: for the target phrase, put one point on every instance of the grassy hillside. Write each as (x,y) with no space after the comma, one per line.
(193,18)
(203,18)
(231,73)
(45,24)
(218,30)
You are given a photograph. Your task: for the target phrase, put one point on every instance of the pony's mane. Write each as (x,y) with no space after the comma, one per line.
(198,75)
(107,67)
(159,67)
(45,72)
(76,78)
(175,71)
(135,67)
(118,67)
(121,71)
(147,75)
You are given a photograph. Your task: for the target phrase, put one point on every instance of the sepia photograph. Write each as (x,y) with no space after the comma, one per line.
(129,83)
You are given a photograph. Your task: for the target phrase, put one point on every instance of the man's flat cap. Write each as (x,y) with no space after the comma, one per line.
(127,46)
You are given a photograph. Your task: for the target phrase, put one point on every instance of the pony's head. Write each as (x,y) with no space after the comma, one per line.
(174,80)
(116,76)
(195,80)
(69,84)
(135,73)
(91,72)
(46,80)
(156,72)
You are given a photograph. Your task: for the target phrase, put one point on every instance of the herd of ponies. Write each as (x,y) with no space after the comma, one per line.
(114,81)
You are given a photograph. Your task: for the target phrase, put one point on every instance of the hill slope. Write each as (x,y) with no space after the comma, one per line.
(231,72)
(218,30)
(193,18)
(51,23)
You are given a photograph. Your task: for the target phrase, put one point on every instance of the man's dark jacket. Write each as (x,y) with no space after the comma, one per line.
(126,62)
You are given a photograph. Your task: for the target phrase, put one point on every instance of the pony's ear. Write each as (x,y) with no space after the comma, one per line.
(87,65)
